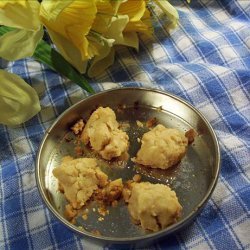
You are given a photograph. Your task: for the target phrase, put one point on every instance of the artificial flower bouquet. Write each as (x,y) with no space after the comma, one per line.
(84,34)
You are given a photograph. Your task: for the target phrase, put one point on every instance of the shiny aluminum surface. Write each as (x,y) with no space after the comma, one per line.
(193,179)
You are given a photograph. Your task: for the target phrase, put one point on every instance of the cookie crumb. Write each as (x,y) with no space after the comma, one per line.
(85,216)
(151,122)
(70,212)
(78,127)
(100,219)
(103,211)
(96,232)
(190,135)
(139,124)
(137,178)
(114,203)
(78,151)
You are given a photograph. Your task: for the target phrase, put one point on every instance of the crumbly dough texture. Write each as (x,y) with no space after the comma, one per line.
(103,134)
(111,192)
(161,147)
(78,179)
(154,206)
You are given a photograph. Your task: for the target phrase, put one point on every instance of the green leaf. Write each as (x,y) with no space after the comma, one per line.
(49,56)
(18,100)
(45,54)
(19,43)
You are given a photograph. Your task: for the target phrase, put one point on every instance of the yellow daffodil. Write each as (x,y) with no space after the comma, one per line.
(18,101)
(80,29)
(119,22)
(105,56)
(106,31)
(139,17)
(27,30)
(68,23)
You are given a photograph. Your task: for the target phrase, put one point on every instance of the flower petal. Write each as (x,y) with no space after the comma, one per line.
(114,35)
(101,62)
(20,14)
(134,9)
(115,31)
(131,39)
(169,10)
(54,8)
(106,10)
(73,22)
(18,101)
(18,44)
(68,51)
(116,28)
(139,16)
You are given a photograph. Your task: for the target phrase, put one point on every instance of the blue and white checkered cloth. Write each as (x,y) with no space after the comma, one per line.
(205,60)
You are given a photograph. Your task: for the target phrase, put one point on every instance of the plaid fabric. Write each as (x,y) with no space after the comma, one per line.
(206,61)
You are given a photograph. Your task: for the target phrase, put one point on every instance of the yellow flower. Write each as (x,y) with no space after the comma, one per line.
(118,21)
(18,101)
(68,23)
(106,31)
(139,16)
(27,31)
(80,29)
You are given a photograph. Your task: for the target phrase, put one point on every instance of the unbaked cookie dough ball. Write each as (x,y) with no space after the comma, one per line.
(154,206)
(103,134)
(78,179)
(162,147)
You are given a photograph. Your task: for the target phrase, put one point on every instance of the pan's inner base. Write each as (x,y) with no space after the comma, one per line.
(190,179)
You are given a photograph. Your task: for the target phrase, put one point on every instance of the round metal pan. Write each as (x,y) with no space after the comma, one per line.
(193,180)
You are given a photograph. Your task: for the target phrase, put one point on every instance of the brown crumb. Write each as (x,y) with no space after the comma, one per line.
(78,151)
(103,211)
(70,212)
(112,191)
(190,135)
(120,108)
(137,178)
(78,127)
(86,211)
(151,122)
(124,126)
(67,138)
(126,192)
(114,203)
(96,232)
(100,219)
(139,124)
(85,216)
(73,221)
